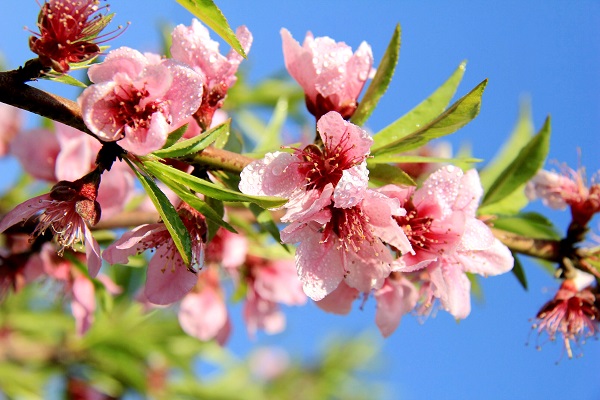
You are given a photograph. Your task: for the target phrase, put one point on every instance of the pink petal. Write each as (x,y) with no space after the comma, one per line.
(98,113)
(92,251)
(24,211)
(358,69)
(340,300)
(263,314)
(442,187)
(351,188)
(185,94)
(142,141)
(127,245)
(380,209)
(278,282)
(368,267)
(319,266)
(274,175)
(37,150)
(394,299)
(333,129)
(123,60)
(203,314)
(116,190)
(299,63)
(168,282)
(77,153)
(83,304)
(470,193)
(453,288)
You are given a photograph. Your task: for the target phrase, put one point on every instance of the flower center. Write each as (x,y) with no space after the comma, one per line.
(417,228)
(349,227)
(326,165)
(132,107)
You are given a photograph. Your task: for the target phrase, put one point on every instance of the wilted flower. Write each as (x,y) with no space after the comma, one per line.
(572,313)
(193,46)
(67,211)
(168,278)
(68,29)
(567,189)
(138,100)
(331,76)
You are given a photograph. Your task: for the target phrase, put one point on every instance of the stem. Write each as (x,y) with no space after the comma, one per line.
(15,92)
(544,249)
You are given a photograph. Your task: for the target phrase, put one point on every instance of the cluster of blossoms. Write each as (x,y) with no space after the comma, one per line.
(408,248)
(404,246)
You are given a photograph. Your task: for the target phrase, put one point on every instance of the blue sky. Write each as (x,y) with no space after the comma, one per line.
(546,51)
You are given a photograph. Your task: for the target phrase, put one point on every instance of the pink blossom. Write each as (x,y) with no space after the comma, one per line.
(309,176)
(572,313)
(331,76)
(227,249)
(79,287)
(566,189)
(137,101)
(67,210)
(168,278)
(459,244)
(203,313)
(269,282)
(347,244)
(193,46)
(11,120)
(37,150)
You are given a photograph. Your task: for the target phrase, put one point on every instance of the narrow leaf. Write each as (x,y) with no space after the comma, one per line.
(426,111)
(455,117)
(421,159)
(381,81)
(164,173)
(198,204)
(178,231)
(529,160)
(532,225)
(521,135)
(389,174)
(510,205)
(271,136)
(207,12)
(175,136)
(195,144)
(265,220)
(64,78)
(519,272)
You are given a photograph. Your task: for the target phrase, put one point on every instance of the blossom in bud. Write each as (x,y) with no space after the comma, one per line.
(331,76)
(310,176)
(569,188)
(11,119)
(138,100)
(68,211)
(203,313)
(193,46)
(572,314)
(68,29)
(168,278)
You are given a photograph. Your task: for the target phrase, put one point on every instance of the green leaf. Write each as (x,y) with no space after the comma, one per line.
(64,78)
(529,160)
(426,111)
(510,205)
(381,81)
(384,159)
(386,174)
(164,173)
(175,136)
(265,220)
(195,144)
(196,203)
(530,224)
(178,231)
(519,272)
(271,136)
(522,133)
(207,12)
(455,117)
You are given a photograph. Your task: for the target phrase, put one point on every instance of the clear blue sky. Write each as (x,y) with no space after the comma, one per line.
(548,51)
